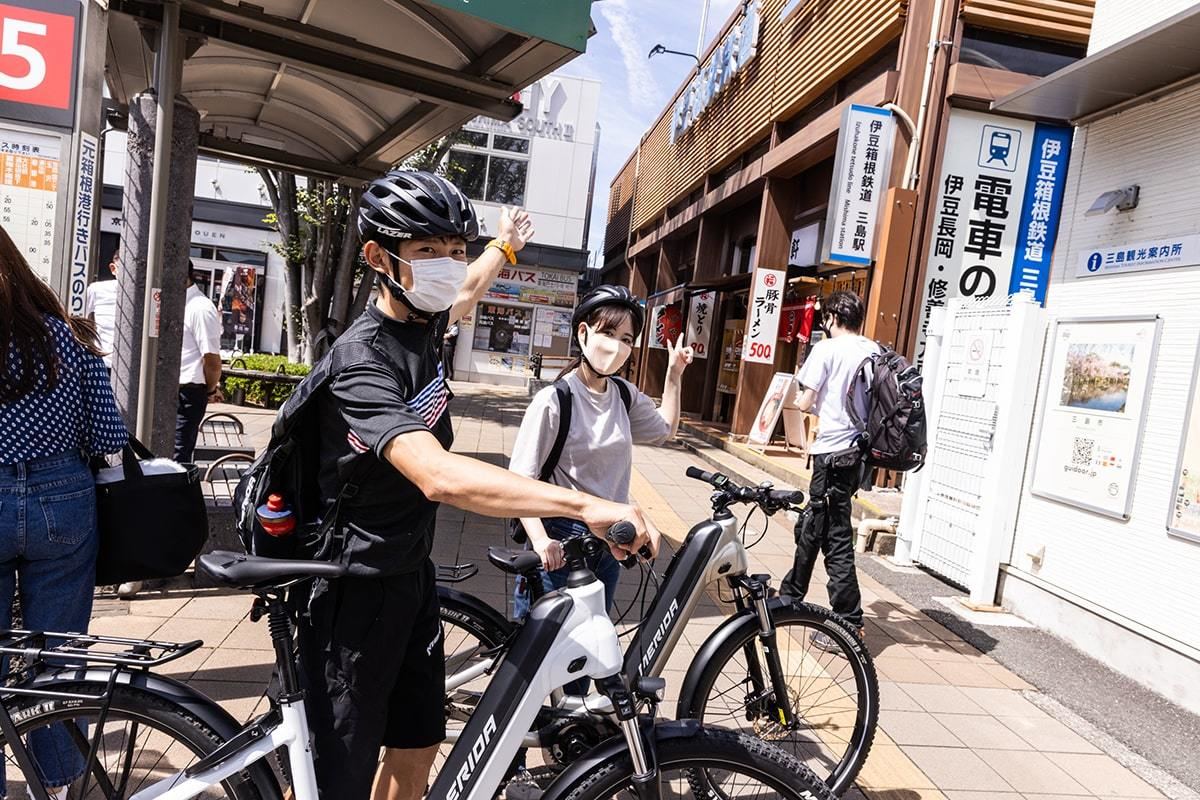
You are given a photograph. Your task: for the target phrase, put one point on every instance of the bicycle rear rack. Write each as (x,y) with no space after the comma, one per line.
(72,649)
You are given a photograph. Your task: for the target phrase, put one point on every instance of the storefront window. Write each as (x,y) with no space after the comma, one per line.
(511,144)
(256,258)
(469,172)
(1015,53)
(498,175)
(503,329)
(506,181)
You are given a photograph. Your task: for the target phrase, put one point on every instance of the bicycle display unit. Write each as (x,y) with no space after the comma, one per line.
(791,673)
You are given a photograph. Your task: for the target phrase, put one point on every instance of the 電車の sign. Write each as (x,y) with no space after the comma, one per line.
(860,181)
(996,218)
(762,324)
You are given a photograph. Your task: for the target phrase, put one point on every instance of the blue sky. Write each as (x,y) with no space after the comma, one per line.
(635,89)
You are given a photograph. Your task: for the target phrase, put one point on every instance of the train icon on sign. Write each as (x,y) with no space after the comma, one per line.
(999,148)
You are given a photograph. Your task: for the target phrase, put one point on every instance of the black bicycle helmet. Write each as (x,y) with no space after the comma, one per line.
(415,205)
(609,295)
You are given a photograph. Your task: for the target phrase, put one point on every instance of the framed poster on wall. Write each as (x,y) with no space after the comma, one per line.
(1184,518)
(1094,411)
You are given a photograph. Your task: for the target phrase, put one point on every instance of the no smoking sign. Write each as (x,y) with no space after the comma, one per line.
(39,56)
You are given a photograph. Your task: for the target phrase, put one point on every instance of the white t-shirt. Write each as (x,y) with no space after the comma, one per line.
(828,371)
(100,303)
(597,456)
(201,335)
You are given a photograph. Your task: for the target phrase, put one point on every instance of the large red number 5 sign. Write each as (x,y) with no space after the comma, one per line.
(38,60)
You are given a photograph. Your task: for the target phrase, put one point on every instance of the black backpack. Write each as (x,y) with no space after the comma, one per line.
(563,391)
(290,466)
(886,404)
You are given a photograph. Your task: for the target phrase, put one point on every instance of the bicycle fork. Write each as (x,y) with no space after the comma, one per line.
(750,592)
(640,742)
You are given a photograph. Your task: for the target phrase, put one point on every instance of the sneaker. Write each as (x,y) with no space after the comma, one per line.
(823,642)
(129,590)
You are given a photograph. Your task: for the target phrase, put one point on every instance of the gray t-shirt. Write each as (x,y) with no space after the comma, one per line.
(597,456)
(828,371)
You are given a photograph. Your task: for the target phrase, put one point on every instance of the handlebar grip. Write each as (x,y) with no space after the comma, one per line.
(788,498)
(622,533)
(700,475)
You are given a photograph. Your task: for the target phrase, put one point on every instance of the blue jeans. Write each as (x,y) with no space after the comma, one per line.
(48,538)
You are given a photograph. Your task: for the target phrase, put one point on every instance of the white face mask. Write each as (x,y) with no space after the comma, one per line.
(604,354)
(436,283)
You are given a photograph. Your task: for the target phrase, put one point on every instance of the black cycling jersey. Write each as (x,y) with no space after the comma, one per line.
(389,522)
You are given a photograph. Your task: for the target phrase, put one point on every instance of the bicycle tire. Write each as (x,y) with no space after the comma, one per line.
(794,625)
(150,712)
(696,761)
(462,621)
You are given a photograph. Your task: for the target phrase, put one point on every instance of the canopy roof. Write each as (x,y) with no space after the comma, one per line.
(1136,68)
(346,88)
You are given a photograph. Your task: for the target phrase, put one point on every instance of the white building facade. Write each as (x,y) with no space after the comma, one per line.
(545,161)
(1118,380)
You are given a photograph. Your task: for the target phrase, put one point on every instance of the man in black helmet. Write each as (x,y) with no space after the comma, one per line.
(370,644)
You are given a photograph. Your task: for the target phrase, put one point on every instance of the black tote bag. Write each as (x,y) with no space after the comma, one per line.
(151,526)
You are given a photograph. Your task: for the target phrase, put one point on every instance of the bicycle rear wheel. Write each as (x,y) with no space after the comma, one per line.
(831,680)
(713,763)
(145,738)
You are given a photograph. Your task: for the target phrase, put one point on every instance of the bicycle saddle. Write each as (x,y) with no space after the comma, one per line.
(253,572)
(514,562)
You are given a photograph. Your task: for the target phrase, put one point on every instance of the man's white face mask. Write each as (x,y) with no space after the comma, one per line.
(436,283)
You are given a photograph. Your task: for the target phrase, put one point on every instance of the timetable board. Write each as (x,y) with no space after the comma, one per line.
(29,174)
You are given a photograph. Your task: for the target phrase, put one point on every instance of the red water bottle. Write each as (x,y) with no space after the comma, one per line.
(276,518)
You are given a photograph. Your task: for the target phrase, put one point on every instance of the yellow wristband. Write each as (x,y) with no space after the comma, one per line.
(504,247)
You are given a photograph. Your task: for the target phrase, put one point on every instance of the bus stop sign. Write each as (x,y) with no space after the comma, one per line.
(39,60)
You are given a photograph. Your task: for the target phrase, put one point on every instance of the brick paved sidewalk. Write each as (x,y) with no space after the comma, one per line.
(954,723)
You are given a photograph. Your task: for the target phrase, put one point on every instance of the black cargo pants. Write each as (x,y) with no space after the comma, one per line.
(825,527)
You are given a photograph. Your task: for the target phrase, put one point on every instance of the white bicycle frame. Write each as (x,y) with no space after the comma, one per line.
(568,635)
(712,552)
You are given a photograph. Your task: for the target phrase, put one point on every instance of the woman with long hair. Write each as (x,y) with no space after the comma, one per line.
(608,417)
(56,411)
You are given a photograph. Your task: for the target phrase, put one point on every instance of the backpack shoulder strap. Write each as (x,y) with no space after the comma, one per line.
(341,356)
(626,394)
(563,392)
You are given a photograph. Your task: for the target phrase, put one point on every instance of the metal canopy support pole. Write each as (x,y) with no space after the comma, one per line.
(166,87)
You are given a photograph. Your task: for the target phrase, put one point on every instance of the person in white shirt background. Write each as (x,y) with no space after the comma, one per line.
(825,525)
(100,306)
(199,368)
(199,380)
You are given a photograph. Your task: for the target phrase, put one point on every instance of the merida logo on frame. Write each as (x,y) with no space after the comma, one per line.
(660,632)
(474,757)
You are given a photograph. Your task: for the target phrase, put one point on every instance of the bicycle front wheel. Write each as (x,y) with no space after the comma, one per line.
(145,738)
(713,764)
(832,690)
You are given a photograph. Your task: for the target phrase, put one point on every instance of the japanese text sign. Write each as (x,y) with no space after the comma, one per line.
(998,205)
(860,181)
(1162,253)
(81,226)
(699,323)
(39,57)
(762,325)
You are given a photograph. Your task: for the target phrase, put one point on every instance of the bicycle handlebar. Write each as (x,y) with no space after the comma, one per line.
(727,492)
(622,534)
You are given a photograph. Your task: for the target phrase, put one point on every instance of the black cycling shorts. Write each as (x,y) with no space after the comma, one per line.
(373,666)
